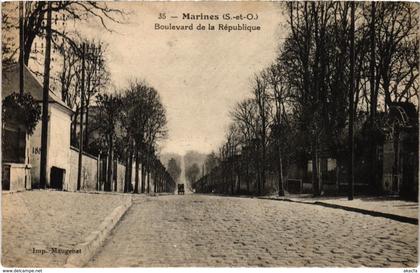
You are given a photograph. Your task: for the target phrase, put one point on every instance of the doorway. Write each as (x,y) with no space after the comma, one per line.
(57,178)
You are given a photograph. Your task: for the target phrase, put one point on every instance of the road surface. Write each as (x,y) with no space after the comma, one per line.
(201,230)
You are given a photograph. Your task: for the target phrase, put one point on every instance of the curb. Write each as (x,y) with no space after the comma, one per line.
(13,191)
(395,217)
(96,238)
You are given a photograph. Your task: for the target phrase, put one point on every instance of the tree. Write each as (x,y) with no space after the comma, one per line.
(173,169)
(316,68)
(351,108)
(192,173)
(155,127)
(70,76)
(261,97)
(109,112)
(144,122)
(244,115)
(314,57)
(8,44)
(274,76)
(67,75)
(312,87)
(96,75)
(35,13)
(21,109)
(297,56)
(397,50)
(211,162)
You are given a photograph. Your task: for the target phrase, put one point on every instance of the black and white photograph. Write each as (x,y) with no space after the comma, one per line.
(209,134)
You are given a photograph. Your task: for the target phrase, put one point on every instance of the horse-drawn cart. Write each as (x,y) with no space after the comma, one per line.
(181,189)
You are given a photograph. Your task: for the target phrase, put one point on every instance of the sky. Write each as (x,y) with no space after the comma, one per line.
(200,75)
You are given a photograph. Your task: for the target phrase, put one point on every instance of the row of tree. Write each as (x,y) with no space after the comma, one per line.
(191,164)
(130,124)
(299,106)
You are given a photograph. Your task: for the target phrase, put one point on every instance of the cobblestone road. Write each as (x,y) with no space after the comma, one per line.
(198,230)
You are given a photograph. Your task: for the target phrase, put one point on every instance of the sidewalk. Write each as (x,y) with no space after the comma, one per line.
(388,207)
(34,222)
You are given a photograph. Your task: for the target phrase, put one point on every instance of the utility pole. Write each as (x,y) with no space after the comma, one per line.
(351,110)
(21,63)
(21,50)
(96,53)
(373,99)
(82,101)
(45,97)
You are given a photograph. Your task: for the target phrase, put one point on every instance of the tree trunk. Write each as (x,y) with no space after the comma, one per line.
(136,183)
(264,154)
(351,108)
(110,165)
(30,37)
(280,170)
(86,142)
(396,169)
(247,176)
(143,177)
(127,177)
(74,126)
(130,168)
(148,175)
(373,100)
(258,172)
(238,175)
(159,187)
(315,181)
(115,175)
(155,185)
(232,177)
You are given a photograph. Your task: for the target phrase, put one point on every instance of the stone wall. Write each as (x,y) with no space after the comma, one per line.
(89,172)
(18,177)
(120,177)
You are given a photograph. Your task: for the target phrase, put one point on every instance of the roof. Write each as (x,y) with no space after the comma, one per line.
(10,84)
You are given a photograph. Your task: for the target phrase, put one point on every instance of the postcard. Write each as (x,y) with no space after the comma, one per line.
(209,134)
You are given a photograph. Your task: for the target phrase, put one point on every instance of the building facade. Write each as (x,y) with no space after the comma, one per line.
(27,152)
